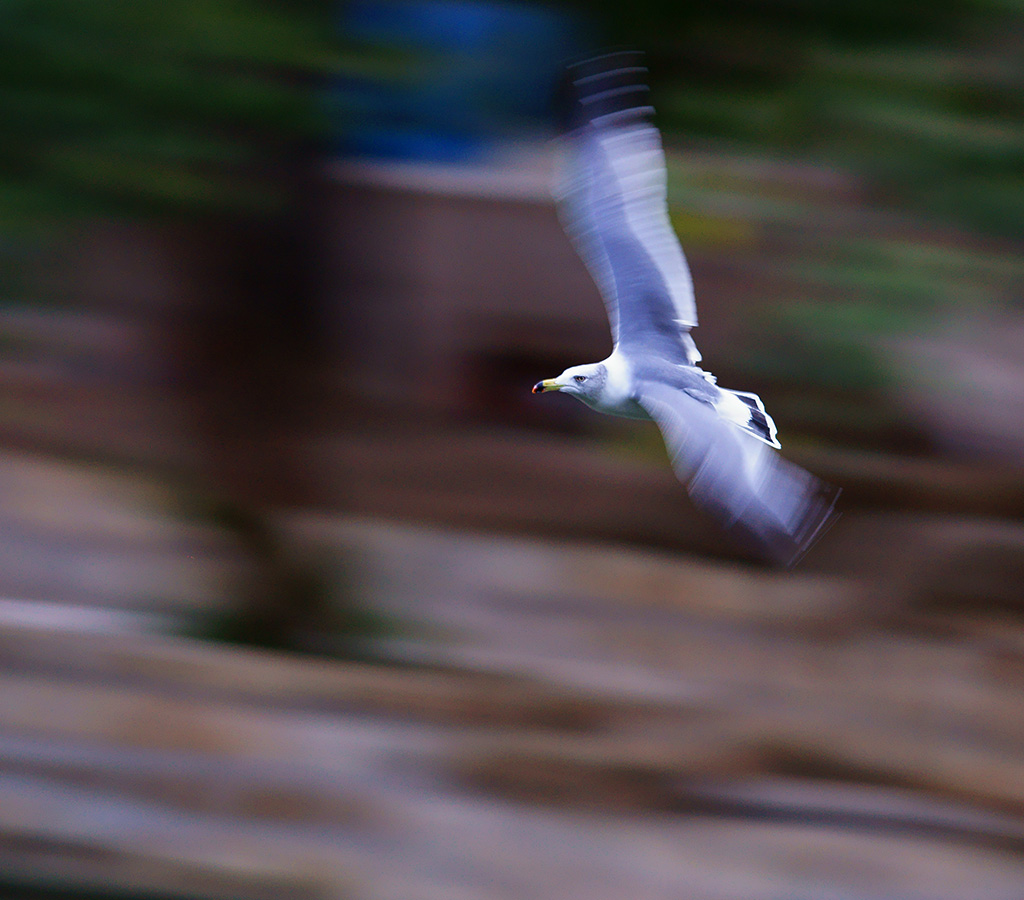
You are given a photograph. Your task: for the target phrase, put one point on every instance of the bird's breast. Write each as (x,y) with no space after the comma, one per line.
(627,408)
(616,398)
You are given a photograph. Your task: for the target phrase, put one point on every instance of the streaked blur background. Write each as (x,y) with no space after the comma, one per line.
(303,594)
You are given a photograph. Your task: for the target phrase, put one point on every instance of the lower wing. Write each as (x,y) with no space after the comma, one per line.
(772,506)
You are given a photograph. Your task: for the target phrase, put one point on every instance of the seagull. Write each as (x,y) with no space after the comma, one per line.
(611,199)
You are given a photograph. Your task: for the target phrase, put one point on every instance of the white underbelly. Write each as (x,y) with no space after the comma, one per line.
(625,407)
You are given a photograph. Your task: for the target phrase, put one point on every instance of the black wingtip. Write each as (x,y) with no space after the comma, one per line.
(609,61)
(819,521)
(610,84)
(773,546)
(821,515)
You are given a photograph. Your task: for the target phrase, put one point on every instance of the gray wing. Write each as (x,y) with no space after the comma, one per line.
(773,507)
(612,203)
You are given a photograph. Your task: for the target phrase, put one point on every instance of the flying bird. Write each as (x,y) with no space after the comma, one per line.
(722,443)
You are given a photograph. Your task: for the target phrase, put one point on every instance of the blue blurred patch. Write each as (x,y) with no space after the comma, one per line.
(466,74)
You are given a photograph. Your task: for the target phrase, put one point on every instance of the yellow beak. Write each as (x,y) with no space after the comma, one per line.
(549,384)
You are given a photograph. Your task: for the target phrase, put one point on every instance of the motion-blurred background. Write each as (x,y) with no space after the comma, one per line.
(303,594)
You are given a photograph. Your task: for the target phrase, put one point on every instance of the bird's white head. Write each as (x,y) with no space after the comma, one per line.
(585,382)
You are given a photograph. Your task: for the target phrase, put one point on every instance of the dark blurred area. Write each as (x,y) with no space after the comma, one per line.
(304,594)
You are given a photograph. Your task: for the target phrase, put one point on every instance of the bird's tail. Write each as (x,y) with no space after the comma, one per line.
(749,414)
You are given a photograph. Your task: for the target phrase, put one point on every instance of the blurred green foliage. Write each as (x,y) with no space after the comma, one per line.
(925,98)
(153,106)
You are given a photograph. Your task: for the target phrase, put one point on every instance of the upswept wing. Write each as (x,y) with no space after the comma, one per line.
(773,507)
(612,202)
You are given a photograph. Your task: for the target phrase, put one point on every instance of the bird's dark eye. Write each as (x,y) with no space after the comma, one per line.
(579,379)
